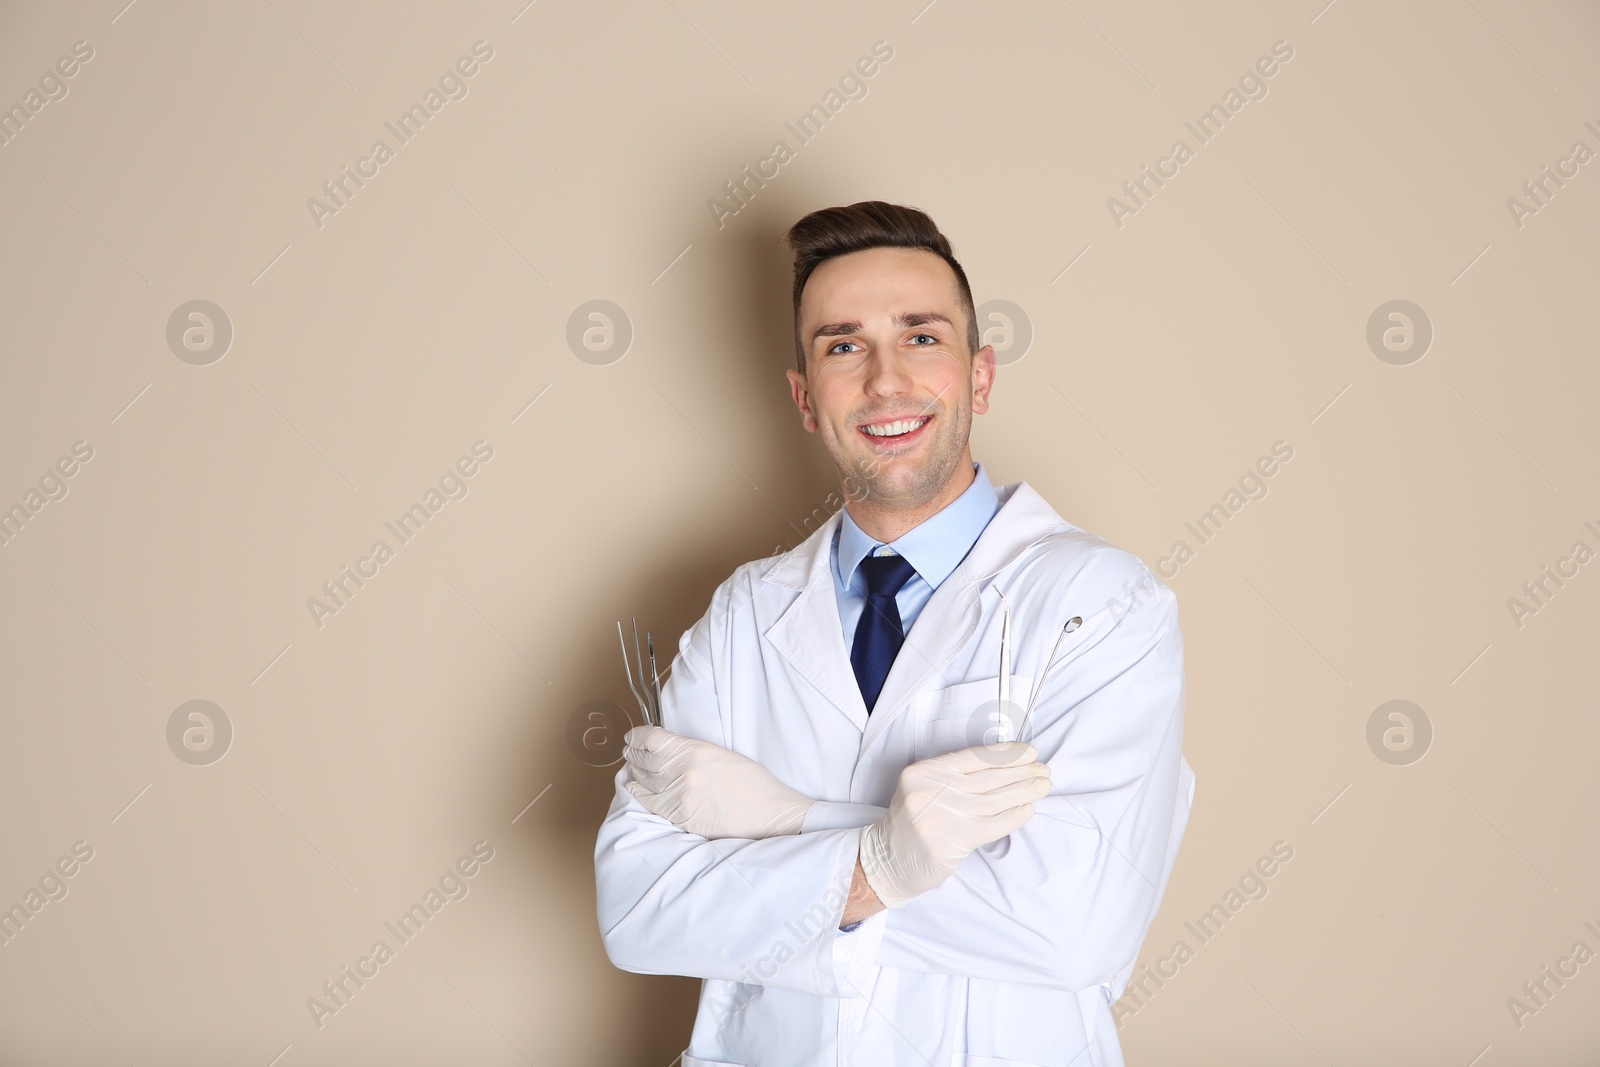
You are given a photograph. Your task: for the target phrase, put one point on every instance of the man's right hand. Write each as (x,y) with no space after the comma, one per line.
(944,808)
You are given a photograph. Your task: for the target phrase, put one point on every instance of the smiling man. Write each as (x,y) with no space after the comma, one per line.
(876,840)
(892,397)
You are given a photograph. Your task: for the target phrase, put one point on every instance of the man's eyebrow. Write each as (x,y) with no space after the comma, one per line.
(836,329)
(904,319)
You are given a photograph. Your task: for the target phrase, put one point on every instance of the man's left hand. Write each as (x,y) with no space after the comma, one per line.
(709,790)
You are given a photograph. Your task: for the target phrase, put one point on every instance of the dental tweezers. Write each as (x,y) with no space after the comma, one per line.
(1005,653)
(648,690)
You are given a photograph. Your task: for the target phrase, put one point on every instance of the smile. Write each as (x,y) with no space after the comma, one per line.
(897,432)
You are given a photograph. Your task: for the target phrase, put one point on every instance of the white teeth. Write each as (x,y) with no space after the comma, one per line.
(891,429)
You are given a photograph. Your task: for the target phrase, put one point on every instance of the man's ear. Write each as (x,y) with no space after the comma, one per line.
(802,400)
(983,370)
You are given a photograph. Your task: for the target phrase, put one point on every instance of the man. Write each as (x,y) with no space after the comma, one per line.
(838,828)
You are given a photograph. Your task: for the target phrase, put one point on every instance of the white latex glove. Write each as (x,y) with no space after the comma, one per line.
(944,808)
(707,789)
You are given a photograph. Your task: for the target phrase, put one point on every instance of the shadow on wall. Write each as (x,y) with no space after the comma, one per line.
(795,479)
(797,484)
(573,741)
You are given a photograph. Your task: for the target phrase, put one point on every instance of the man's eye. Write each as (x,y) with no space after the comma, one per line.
(840,345)
(931,338)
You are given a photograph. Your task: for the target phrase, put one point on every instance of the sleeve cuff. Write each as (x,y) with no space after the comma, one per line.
(838,815)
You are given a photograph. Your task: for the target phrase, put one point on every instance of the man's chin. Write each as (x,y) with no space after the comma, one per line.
(887,468)
(896,481)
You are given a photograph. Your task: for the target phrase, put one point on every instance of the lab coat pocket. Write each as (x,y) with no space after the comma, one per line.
(696,1061)
(1010,1024)
(968,714)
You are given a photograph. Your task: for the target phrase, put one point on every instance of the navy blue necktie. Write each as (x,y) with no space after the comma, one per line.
(879,634)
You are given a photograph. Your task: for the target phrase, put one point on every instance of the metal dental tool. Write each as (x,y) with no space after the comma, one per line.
(1005,655)
(1027,713)
(655,678)
(648,690)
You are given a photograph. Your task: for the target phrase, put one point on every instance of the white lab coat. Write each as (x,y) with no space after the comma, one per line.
(1019,956)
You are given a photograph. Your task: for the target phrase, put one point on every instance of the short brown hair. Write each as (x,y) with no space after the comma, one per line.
(839,231)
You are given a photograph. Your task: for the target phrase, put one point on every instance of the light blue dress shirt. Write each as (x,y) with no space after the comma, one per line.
(935,547)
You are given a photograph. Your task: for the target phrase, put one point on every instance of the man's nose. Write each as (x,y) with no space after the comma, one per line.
(887,372)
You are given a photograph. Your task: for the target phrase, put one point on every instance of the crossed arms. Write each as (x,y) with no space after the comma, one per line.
(702,869)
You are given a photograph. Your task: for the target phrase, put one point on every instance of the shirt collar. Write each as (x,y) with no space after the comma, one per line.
(936,546)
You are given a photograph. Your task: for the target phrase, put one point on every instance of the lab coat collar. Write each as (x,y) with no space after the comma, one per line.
(809,637)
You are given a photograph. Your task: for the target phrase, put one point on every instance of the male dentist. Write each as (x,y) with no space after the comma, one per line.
(838,827)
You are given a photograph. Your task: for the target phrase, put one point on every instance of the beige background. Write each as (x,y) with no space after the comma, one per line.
(370,352)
